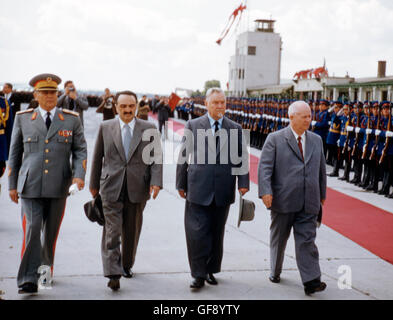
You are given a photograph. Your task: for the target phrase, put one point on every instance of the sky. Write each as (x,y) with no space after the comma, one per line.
(155,46)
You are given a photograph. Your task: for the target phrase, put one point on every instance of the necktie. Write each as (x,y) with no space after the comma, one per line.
(217,142)
(48,121)
(127,139)
(299,143)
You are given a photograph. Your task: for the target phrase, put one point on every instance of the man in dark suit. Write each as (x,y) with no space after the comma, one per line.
(208,183)
(292,184)
(163,114)
(14,99)
(125,180)
(72,100)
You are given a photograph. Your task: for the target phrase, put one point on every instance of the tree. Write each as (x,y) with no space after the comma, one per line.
(211,84)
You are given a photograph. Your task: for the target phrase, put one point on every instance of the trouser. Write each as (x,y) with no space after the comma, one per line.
(205,228)
(304,229)
(357,165)
(41,220)
(161,123)
(332,154)
(387,180)
(123,225)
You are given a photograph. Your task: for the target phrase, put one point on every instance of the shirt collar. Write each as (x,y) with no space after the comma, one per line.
(131,124)
(43,112)
(212,121)
(303,136)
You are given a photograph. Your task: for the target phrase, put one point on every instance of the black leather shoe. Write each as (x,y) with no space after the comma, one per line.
(114,283)
(28,287)
(127,273)
(314,288)
(197,283)
(333,174)
(275,279)
(211,279)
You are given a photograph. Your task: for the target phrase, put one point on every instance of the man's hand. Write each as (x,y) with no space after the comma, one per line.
(14,195)
(267,200)
(155,190)
(72,95)
(94,192)
(182,194)
(243,191)
(323,201)
(79,182)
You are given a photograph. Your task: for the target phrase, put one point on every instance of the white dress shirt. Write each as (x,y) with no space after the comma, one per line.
(44,112)
(303,139)
(131,125)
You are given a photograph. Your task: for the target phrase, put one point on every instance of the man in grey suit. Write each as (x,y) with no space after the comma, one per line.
(72,101)
(208,183)
(292,184)
(125,175)
(40,172)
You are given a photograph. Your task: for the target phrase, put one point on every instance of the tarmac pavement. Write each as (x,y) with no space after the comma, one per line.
(161,270)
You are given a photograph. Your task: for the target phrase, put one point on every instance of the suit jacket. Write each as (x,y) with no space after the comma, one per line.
(163,111)
(282,173)
(109,165)
(39,160)
(81,104)
(202,181)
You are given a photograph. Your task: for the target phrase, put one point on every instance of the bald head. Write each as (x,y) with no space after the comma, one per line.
(300,116)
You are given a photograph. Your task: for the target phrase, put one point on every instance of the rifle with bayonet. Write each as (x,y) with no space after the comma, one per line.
(374,148)
(387,139)
(357,137)
(365,147)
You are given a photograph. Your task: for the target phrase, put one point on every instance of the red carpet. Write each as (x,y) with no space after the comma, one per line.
(363,223)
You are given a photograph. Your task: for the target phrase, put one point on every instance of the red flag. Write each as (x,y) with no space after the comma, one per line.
(231,20)
(173,100)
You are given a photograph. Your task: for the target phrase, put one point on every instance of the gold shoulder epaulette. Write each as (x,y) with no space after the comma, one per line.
(76,114)
(25,111)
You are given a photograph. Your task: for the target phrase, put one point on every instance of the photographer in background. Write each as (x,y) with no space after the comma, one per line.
(107,106)
(72,101)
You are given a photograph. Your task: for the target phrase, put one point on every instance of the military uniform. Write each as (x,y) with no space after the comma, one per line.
(332,139)
(41,172)
(385,150)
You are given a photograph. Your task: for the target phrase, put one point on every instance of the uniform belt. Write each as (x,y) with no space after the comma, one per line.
(2,131)
(334,131)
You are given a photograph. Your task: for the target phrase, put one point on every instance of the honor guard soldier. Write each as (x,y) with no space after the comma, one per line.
(385,148)
(320,125)
(334,136)
(344,141)
(44,140)
(358,121)
(370,147)
(6,122)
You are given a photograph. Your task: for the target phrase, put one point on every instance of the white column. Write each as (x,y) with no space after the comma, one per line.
(374,97)
(334,93)
(360,94)
(390,97)
(350,94)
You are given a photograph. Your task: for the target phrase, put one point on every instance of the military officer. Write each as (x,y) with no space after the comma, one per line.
(40,173)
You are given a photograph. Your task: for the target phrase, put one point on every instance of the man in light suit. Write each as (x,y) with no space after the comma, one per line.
(209,186)
(125,175)
(292,184)
(72,101)
(40,173)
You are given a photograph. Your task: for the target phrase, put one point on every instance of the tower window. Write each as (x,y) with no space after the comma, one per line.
(252,50)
